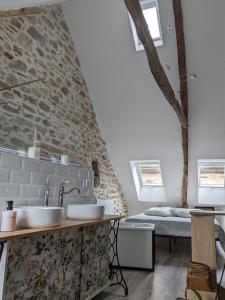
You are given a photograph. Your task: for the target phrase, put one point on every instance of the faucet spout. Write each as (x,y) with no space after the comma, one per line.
(62,192)
(71,190)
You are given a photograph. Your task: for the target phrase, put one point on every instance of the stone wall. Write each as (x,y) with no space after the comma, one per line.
(33,47)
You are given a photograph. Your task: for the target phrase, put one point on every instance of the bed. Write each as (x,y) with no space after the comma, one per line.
(174,227)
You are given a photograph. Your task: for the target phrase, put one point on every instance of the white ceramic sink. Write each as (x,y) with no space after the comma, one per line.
(85,211)
(38,216)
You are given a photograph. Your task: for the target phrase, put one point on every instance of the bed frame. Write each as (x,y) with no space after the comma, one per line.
(172,238)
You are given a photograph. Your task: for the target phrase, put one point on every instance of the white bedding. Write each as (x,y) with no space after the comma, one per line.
(174,226)
(159,211)
(144,217)
(169,212)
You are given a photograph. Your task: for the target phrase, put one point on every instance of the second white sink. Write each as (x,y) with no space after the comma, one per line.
(38,216)
(85,211)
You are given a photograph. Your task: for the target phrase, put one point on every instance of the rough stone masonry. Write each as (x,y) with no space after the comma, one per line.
(40,46)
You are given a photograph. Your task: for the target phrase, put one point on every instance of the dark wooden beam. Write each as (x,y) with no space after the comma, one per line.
(179,26)
(156,68)
(20,12)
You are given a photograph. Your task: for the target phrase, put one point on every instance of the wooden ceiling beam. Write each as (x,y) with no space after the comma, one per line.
(156,68)
(179,26)
(181,51)
(20,12)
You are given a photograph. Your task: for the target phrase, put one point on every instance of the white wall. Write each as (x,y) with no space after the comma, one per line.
(135,119)
(205,34)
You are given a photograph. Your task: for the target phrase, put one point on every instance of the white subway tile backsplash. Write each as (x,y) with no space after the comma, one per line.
(29,191)
(4,175)
(54,192)
(35,202)
(53,202)
(69,185)
(20,202)
(74,197)
(84,173)
(62,171)
(11,161)
(47,168)
(32,165)
(80,184)
(41,192)
(38,179)
(23,181)
(16,202)
(18,176)
(91,175)
(55,180)
(9,190)
(74,172)
(72,200)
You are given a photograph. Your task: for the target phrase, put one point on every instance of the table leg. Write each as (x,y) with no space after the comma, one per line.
(115,271)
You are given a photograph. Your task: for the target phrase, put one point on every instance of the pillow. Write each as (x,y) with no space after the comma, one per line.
(159,211)
(181,212)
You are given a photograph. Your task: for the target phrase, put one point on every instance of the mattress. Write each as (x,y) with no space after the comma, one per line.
(174,226)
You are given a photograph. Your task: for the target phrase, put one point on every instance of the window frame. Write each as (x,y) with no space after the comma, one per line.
(140,163)
(211,163)
(157,41)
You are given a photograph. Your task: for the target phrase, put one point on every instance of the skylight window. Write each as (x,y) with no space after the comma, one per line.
(211,181)
(148,181)
(151,13)
(150,174)
(211,174)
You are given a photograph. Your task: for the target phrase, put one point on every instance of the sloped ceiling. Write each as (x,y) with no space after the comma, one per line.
(135,119)
(15,4)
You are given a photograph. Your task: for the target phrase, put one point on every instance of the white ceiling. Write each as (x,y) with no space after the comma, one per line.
(15,4)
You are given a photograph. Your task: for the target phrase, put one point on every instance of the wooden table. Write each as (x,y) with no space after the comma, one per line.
(66,224)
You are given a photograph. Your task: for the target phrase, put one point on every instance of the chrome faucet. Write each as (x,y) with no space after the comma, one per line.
(62,192)
(46,192)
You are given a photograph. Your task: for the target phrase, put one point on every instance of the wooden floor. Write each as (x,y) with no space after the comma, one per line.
(168,280)
(166,283)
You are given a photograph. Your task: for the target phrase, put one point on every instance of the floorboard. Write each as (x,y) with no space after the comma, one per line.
(168,280)
(166,283)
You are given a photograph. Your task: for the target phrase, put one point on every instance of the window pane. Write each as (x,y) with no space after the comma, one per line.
(151,175)
(211,176)
(151,18)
